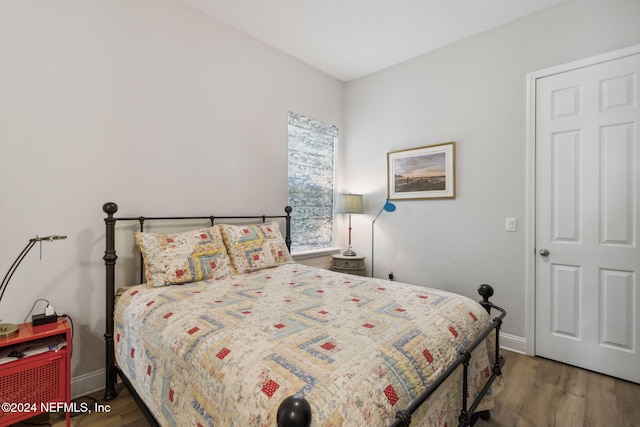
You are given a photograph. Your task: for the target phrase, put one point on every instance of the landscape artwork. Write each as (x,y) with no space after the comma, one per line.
(422,173)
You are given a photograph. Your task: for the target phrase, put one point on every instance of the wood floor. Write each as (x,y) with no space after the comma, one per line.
(537,393)
(540,392)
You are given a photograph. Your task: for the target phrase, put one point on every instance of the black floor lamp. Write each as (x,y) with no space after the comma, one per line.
(8,329)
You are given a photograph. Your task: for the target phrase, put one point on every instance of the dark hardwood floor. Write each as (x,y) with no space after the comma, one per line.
(537,392)
(541,392)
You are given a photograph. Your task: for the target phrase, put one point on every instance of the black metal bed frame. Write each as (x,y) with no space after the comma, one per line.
(293,411)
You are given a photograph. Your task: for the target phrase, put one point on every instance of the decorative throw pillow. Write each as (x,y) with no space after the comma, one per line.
(254,247)
(171,259)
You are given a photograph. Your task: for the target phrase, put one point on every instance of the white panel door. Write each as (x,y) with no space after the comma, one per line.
(587,225)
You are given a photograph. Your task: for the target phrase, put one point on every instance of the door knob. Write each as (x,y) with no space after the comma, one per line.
(544,252)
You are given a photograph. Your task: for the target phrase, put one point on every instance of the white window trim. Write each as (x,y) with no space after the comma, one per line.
(316,253)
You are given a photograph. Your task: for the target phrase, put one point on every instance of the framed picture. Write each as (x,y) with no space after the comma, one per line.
(422,173)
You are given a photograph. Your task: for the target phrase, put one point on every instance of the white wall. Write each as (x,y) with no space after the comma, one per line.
(474,93)
(147,103)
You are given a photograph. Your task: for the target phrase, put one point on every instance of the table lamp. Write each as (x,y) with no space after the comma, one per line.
(8,329)
(350,204)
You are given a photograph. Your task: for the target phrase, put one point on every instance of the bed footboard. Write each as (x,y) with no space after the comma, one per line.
(296,411)
(403,418)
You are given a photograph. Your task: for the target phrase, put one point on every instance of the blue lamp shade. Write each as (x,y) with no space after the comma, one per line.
(387,207)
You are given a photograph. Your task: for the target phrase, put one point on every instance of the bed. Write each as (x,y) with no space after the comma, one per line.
(227,329)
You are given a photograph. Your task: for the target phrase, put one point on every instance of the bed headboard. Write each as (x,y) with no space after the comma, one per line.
(110,258)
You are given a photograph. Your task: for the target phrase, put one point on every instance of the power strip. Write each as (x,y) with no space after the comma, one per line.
(43,319)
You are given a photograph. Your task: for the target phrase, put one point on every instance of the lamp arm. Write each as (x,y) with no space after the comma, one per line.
(14,266)
(48,238)
(374,220)
(372,242)
(25,251)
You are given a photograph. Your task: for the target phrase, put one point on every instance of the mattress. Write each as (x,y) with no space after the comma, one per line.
(226,352)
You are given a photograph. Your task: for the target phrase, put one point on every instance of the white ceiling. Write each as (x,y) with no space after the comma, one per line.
(348,39)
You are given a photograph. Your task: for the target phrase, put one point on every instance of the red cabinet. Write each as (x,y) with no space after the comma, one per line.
(40,381)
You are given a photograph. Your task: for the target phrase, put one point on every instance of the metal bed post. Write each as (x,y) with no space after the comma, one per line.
(110,258)
(463,419)
(141,222)
(287,239)
(403,417)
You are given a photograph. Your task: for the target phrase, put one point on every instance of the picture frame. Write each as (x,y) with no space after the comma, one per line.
(422,173)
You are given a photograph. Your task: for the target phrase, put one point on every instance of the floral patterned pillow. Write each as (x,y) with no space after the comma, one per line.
(171,259)
(254,247)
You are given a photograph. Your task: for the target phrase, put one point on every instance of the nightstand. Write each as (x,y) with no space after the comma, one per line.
(40,380)
(348,264)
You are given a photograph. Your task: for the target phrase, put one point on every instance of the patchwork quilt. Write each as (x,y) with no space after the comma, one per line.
(226,352)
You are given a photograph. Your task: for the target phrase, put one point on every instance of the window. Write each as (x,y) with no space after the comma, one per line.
(311,177)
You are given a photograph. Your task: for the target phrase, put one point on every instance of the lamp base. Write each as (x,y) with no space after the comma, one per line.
(8,329)
(349,252)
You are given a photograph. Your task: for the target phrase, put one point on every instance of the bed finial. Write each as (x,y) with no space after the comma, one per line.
(294,412)
(486,292)
(110,208)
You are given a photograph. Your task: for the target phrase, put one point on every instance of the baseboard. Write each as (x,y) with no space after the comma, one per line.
(513,343)
(87,383)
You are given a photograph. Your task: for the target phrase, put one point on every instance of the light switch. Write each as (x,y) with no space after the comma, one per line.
(511,224)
